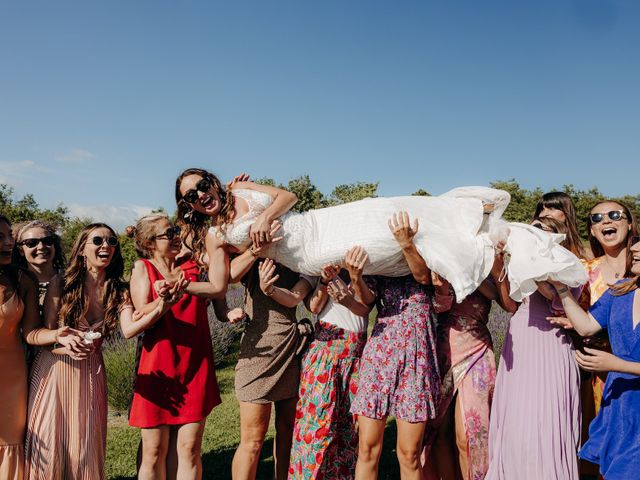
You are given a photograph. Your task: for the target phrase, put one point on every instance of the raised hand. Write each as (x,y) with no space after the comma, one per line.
(257,250)
(329,272)
(401,228)
(260,231)
(339,291)
(268,277)
(243,177)
(355,260)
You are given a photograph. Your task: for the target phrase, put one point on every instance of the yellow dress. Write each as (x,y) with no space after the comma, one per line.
(13,396)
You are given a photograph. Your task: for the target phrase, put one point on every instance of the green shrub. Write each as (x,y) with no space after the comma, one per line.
(119,360)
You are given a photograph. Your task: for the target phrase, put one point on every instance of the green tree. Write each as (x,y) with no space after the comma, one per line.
(421,192)
(71,231)
(352,192)
(523,201)
(26,209)
(309,197)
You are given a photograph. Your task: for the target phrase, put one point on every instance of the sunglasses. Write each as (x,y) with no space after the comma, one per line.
(192,195)
(99,241)
(614,215)
(170,234)
(635,239)
(47,241)
(537,225)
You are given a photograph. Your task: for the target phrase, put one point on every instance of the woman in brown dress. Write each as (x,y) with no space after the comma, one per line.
(18,312)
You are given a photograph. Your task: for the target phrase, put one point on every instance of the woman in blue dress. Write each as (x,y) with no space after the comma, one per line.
(614,435)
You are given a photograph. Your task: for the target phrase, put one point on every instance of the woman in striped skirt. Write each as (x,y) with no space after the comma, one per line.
(67,416)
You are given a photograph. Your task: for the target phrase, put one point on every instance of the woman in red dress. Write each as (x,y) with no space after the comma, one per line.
(175,387)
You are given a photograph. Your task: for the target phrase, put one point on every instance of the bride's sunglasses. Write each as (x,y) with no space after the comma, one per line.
(192,195)
(170,233)
(614,215)
(99,241)
(47,241)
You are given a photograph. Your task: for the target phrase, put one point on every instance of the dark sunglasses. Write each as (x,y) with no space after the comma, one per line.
(635,239)
(99,241)
(47,241)
(170,234)
(192,195)
(537,225)
(614,215)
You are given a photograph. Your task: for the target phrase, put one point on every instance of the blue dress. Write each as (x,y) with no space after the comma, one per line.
(614,435)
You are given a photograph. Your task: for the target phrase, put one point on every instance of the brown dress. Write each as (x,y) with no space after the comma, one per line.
(67,428)
(13,397)
(268,368)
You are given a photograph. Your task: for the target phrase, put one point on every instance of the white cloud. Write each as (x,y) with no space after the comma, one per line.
(13,172)
(117,217)
(75,156)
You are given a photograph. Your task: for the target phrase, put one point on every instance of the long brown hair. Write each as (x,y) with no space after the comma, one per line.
(144,233)
(597,249)
(563,202)
(74,303)
(194,224)
(627,286)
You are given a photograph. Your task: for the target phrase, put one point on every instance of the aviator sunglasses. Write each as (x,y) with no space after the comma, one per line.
(192,195)
(614,215)
(99,241)
(170,233)
(47,241)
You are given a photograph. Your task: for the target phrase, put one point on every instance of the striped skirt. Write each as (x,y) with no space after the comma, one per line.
(67,419)
(325,440)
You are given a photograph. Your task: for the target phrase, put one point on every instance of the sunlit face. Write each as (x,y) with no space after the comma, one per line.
(635,264)
(207,202)
(42,252)
(166,242)
(6,243)
(610,233)
(554,213)
(97,250)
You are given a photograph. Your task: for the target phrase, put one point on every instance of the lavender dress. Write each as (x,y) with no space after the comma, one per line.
(398,372)
(535,417)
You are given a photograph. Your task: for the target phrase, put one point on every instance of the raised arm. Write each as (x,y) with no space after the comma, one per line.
(218,265)
(285,297)
(501,283)
(318,299)
(582,322)
(283,200)
(355,260)
(404,232)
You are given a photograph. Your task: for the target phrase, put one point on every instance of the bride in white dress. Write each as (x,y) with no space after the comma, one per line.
(456,235)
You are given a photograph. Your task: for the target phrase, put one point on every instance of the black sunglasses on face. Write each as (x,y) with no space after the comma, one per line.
(99,241)
(192,195)
(47,241)
(635,239)
(170,234)
(614,215)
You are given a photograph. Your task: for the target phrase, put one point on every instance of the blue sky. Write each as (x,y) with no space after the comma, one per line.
(102,104)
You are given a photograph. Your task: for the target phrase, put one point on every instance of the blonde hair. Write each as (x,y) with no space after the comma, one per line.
(144,232)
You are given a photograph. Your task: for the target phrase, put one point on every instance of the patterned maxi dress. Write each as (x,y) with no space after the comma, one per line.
(325,438)
(466,356)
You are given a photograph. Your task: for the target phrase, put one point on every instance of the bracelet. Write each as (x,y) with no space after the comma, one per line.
(56,345)
(562,290)
(322,282)
(270,292)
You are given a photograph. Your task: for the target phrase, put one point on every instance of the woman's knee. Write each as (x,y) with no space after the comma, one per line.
(409,455)
(154,450)
(189,448)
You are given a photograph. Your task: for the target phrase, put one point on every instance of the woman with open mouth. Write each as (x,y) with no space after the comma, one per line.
(614,439)
(67,424)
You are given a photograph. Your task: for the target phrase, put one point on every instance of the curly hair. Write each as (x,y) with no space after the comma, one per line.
(563,202)
(195,224)
(597,249)
(74,304)
(59,259)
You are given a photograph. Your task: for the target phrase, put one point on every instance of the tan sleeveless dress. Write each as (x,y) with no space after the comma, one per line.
(13,396)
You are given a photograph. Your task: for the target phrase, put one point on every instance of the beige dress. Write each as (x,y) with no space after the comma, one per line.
(67,427)
(13,397)
(268,368)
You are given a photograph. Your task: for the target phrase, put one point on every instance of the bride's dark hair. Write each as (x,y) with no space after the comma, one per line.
(195,224)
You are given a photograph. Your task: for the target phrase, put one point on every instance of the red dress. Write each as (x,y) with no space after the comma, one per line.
(176,378)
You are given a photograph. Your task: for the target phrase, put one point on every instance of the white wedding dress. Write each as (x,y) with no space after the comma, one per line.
(455,236)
